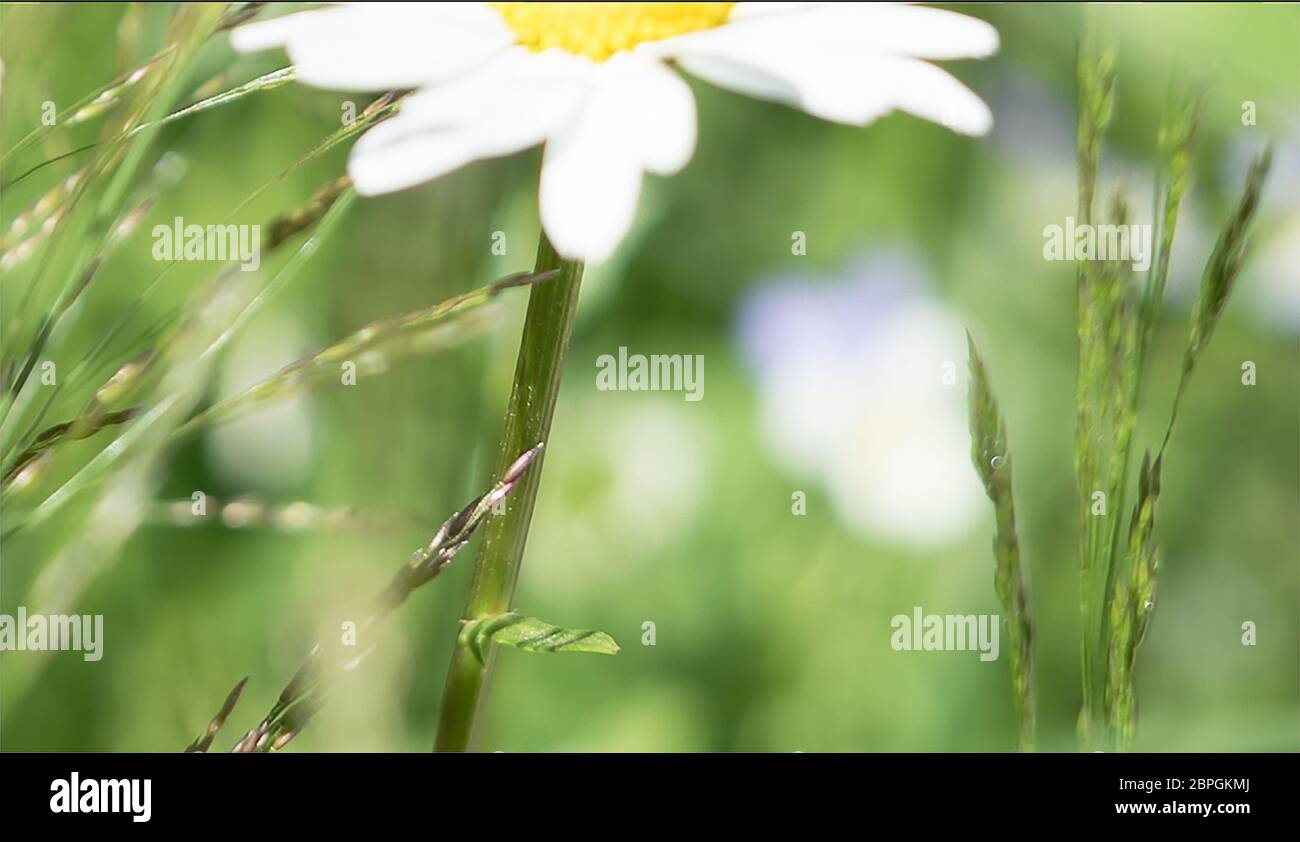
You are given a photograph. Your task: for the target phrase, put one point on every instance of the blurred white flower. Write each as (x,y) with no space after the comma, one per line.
(633,480)
(270,448)
(862,387)
(590,80)
(1277,299)
(1274,292)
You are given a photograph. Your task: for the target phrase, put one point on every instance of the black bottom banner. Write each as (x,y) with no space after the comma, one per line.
(304,791)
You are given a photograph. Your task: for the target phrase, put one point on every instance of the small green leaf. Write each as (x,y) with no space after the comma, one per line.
(532,635)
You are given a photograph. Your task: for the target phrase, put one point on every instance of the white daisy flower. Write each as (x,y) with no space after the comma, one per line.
(591,81)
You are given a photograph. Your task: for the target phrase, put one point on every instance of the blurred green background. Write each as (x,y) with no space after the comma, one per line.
(771,629)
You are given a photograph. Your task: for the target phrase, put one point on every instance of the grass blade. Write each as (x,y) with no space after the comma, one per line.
(372,349)
(532,635)
(991,456)
(308,689)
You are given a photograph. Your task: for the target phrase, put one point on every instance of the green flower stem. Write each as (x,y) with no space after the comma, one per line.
(543,348)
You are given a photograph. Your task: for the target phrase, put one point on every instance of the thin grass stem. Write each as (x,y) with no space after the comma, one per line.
(552,308)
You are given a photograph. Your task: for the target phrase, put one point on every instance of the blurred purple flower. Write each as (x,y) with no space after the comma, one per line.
(861,382)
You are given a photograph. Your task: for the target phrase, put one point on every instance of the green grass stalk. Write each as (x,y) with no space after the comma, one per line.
(552,308)
(991,456)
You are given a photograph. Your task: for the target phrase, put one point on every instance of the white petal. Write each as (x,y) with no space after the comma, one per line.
(590,185)
(656,109)
(638,116)
(827,84)
(516,86)
(588,194)
(509,104)
(915,31)
(746,11)
(413,159)
(373,46)
(831,82)
(744,77)
(837,60)
(933,94)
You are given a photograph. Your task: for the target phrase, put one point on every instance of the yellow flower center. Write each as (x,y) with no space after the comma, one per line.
(600,30)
